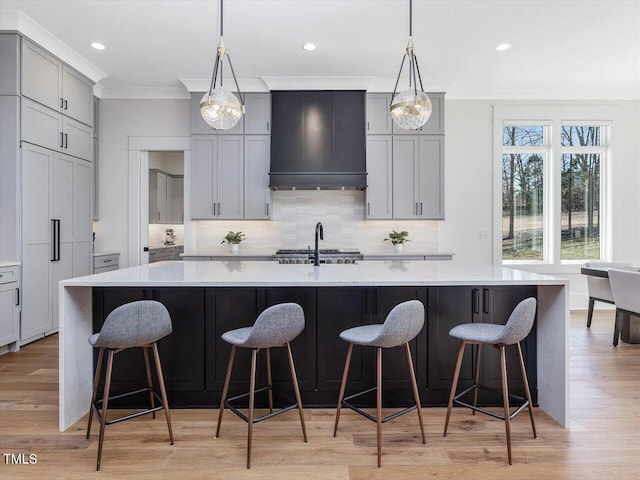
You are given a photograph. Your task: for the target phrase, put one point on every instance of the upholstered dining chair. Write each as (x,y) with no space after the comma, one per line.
(625,285)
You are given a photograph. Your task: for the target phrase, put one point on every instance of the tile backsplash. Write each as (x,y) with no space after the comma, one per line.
(295,214)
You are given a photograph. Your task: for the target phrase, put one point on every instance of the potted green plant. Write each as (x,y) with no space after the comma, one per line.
(398,239)
(234,239)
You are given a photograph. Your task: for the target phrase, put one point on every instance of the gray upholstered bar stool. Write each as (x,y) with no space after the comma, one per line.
(512,333)
(275,327)
(600,288)
(135,324)
(402,325)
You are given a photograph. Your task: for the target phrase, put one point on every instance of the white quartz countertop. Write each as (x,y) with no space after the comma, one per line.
(374,273)
(9,264)
(103,254)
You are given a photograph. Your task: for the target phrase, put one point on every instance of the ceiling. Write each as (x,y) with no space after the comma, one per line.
(562,49)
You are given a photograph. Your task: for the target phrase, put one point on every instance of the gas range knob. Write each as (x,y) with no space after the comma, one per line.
(347,260)
(340,261)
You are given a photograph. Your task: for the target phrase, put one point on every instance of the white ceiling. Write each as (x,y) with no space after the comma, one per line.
(561,48)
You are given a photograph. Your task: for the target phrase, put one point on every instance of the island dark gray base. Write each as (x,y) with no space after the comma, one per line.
(194,358)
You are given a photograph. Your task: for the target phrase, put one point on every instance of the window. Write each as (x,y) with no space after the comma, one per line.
(551,182)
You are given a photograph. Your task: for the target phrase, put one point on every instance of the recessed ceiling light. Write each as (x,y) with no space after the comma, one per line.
(98,46)
(503,46)
(309,47)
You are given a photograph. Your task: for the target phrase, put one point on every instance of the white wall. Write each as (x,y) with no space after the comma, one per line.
(468,190)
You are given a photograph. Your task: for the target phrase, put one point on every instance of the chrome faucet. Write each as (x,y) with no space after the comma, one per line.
(316,254)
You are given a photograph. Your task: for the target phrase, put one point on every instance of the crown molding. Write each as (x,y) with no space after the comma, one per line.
(145,93)
(318,83)
(247,85)
(16,21)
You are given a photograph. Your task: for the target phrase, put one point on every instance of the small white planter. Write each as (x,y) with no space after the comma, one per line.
(233,247)
(398,247)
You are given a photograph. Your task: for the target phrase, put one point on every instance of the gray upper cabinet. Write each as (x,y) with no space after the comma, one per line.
(257,195)
(9,64)
(378,118)
(157,196)
(257,118)
(379,175)
(200,127)
(46,80)
(175,199)
(45,127)
(418,177)
(435,124)
(217,170)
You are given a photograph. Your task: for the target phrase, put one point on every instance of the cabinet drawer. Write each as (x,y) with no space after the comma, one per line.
(106,261)
(105,269)
(8,275)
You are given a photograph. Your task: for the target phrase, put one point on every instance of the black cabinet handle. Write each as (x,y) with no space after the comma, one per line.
(58,239)
(61,140)
(61,102)
(55,239)
(66,140)
(268,126)
(485,300)
(65,105)
(368,208)
(17,296)
(476,300)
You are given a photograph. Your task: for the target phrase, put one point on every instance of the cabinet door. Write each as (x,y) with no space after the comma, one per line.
(227,309)
(78,138)
(257,119)
(9,313)
(378,117)
(229,177)
(10,71)
(175,200)
(41,76)
(379,177)
(431,177)
(77,92)
(203,160)
(96,179)
(41,126)
(82,225)
(37,236)
(405,184)
(161,198)
(338,309)
(257,196)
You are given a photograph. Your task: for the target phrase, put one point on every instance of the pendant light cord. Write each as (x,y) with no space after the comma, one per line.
(410,18)
(221,18)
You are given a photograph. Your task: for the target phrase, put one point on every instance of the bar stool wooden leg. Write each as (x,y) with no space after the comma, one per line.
(269,380)
(296,389)
(416,395)
(379,403)
(225,389)
(476,377)
(252,392)
(163,391)
(505,400)
(149,381)
(105,404)
(590,311)
(526,390)
(345,374)
(96,382)
(454,385)
(616,328)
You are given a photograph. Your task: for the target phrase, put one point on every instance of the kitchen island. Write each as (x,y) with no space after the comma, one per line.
(208,298)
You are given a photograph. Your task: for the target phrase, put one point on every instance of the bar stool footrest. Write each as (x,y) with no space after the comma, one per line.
(228,404)
(98,404)
(365,414)
(522,402)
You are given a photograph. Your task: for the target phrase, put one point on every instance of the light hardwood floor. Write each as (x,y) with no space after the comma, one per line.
(602,443)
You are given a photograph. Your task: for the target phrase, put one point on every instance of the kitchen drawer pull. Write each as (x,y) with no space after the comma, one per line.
(219,208)
(368,208)
(214,209)
(485,300)
(107,261)
(476,300)
(267,208)
(420,208)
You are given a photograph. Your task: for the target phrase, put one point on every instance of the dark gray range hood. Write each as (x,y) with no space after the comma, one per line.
(318,140)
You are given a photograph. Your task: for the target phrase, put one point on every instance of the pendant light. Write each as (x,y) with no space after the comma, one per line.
(411,108)
(219,107)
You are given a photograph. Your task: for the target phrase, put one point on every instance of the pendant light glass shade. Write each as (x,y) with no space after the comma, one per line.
(411,108)
(219,107)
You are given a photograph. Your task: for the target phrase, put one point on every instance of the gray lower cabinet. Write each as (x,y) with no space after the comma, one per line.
(106,263)
(161,254)
(379,177)
(257,196)
(217,170)
(9,305)
(56,232)
(45,127)
(48,81)
(418,177)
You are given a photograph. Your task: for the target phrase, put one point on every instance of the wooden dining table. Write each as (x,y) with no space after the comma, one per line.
(630,327)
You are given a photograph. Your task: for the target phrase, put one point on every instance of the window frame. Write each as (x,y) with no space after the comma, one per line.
(553,117)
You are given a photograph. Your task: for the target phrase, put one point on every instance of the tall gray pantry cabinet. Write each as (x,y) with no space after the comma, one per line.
(49,157)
